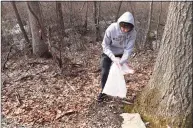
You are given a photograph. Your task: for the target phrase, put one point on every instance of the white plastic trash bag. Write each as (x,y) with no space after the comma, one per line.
(126,69)
(115,84)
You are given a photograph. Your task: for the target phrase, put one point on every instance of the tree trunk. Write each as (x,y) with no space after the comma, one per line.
(71,13)
(20,22)
(119,7)
(60,25)
(96,20)
(60,18)
(132,10)
(147,42)
(167,100)
(137,48)
(157,45)
(37,29)
(86,18)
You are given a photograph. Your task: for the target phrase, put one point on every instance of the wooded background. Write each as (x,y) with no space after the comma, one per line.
(80,20)
(50,63)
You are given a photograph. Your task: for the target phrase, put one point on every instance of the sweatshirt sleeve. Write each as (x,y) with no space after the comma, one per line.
(129,48)
(106,44)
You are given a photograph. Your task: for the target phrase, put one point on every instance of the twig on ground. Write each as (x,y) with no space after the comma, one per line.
(23,77)
(18,98)
(126,102)
(65,113)
(70,86)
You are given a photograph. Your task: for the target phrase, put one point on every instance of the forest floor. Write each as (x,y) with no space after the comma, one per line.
(36,94)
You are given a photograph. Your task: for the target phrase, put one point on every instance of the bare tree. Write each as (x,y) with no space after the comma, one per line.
(86,17)
(96,22)
(147,43)
(137,48)
(70,12)
(60,18)
(60,25)
(167,100)
(40,48)
(119,7)
(132,10)
(20,22)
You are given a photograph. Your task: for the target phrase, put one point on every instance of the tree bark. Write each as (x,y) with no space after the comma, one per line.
(95,14)
(40,48)
(147,43)
(119,7)
(60,28)
(159,17)
(60,18)
(167,100)
(133,13)
(132,10)
(98,20)
(20,22)
(86,18)
(71,13)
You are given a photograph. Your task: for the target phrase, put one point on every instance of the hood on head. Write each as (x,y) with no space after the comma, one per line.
(126,17)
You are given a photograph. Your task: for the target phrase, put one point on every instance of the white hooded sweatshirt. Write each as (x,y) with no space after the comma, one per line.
(116,42)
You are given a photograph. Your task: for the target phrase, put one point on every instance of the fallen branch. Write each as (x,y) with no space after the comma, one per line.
(65,113)
(24,77)
(70,86)
(126,102)
(18,98)
(97,71)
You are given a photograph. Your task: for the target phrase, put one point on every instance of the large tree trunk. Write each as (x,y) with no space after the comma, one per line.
(167,100)
(20,22)
(37,29)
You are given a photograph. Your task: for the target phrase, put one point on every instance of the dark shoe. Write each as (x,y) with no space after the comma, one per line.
(101,97)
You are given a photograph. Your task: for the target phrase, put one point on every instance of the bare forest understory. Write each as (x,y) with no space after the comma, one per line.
(35,93)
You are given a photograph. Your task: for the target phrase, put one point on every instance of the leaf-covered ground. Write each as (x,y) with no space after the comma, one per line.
(35,93)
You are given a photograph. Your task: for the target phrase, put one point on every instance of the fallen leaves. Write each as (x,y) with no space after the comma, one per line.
(36,94)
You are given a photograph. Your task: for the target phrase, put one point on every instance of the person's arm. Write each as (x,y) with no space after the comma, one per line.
(106,44)
(128,49)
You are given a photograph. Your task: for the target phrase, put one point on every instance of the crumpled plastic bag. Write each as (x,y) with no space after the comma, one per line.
(126,69)
(115,84)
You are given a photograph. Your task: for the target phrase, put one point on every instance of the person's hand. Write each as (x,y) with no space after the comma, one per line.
(116,60)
